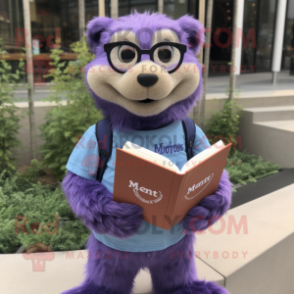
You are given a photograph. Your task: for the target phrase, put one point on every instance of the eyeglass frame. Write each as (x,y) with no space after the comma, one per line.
(109,46)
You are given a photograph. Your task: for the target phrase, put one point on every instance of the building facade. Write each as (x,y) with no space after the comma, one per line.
(53,20)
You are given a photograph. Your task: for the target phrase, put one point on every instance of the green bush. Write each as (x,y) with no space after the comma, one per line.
(34,171)
(244,168)
(224,124)
(22,202)
(65,124)
(9,122)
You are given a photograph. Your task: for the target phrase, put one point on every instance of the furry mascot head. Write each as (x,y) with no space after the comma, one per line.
(121,95)
(145,77)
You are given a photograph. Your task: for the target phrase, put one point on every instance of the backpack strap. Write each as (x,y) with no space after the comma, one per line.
(190,134)
(104,141)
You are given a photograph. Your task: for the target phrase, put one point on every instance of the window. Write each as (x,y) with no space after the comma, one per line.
(92,10)
(288,49)
(259,17)
(128,6)
(11,19)
(221,37)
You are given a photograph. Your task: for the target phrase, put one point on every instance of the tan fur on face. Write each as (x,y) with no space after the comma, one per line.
(165,35)
(124,89)
(124,36)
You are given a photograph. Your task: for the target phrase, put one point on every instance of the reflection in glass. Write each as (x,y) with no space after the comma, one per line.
(265,34)
(11,18)
(221,37)
(249,24)
(128,6)
(259,16)
(288,50)
(92,10)
(176,8)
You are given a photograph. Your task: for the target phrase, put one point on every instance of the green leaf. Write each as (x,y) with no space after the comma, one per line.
(67,134)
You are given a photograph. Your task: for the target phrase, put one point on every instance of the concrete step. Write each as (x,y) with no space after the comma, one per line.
(65,271)
(282,125)
(252,246)
(257,99)
(276,113)
(249,250)
(269,132)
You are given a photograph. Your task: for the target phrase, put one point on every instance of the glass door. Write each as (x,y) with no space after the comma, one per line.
(258,30)
(288,50)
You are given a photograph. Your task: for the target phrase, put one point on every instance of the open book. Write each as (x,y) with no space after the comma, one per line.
(166,193)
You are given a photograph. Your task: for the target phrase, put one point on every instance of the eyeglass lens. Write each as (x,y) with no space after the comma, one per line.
(124,57)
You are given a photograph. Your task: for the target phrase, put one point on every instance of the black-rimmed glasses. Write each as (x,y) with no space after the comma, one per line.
(124,55)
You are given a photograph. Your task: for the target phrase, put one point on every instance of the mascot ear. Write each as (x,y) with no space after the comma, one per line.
(95,28)
(195,31)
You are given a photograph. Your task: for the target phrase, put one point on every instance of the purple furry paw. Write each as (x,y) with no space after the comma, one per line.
(211,208)
(200,287)
(121,227)
(92,202)
(88,288)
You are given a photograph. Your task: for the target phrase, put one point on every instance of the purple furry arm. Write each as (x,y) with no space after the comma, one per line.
(92,202)
(211,208)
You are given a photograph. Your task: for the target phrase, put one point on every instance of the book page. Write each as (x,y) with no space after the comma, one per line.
(202,156)
(151,156)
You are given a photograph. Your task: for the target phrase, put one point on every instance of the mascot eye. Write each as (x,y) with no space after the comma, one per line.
(165,53)
(126,53)
(167,57)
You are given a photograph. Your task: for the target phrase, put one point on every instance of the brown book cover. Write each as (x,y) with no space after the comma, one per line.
(165,195)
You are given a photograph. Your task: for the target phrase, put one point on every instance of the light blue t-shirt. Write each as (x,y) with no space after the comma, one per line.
(168,141)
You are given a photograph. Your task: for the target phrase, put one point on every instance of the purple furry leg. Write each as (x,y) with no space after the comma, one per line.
(175,268)
(108,271)
(109,268)
(175,271)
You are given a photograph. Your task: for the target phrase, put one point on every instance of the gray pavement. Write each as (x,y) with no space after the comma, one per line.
(39,94)
(257,82)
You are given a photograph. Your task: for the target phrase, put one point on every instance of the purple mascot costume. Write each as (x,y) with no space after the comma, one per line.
(145,78)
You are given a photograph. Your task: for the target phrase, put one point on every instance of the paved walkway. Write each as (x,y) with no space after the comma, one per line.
(255,84)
